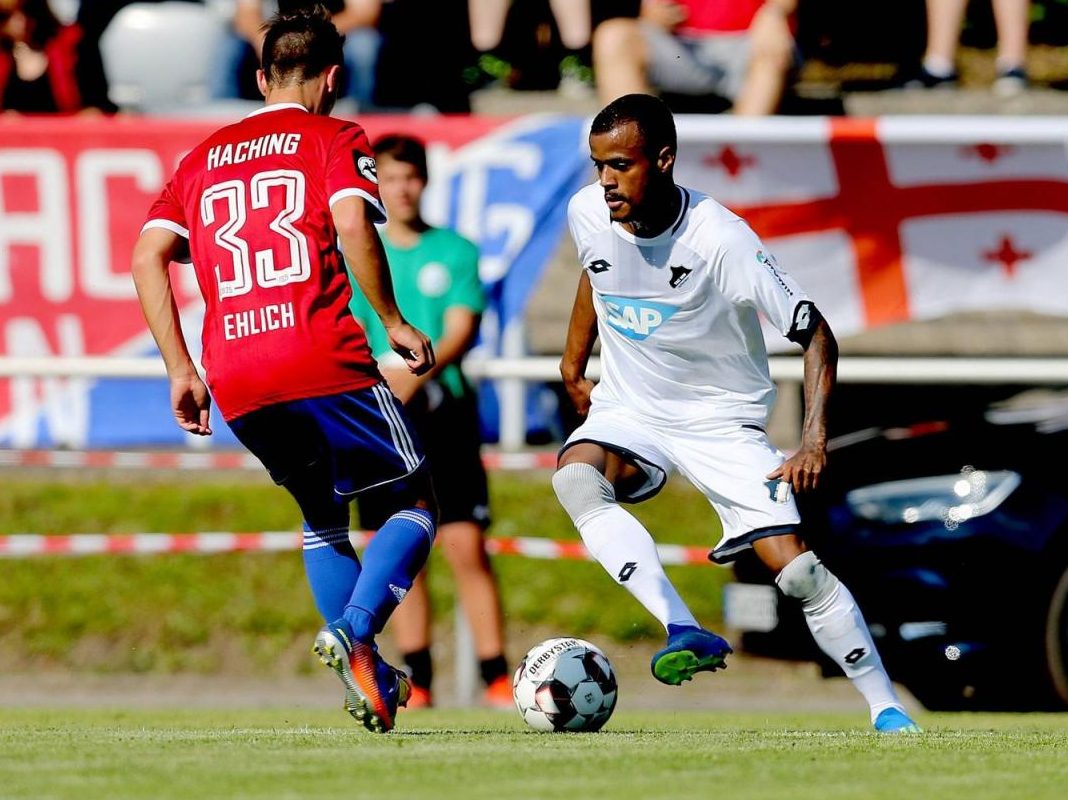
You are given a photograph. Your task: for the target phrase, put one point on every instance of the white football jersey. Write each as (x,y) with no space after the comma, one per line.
(677,313)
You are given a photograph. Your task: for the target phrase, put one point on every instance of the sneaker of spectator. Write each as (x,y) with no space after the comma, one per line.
(921,78)
(945,20)
(1010,82)
(489,70)
(576,77)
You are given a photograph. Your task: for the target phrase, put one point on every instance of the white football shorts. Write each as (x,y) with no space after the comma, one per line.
(727,464)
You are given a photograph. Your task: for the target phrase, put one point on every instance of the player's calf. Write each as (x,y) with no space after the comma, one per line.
(837,625)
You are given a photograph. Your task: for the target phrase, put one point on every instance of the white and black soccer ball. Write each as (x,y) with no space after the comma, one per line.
(565,685)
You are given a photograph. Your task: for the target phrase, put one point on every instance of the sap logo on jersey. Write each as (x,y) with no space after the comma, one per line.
(636,319)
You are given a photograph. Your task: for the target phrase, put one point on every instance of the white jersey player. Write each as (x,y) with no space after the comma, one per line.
(675,285)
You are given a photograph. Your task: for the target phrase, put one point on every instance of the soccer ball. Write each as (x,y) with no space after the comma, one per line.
(565,685)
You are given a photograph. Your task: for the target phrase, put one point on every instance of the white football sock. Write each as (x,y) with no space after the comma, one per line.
(619,542)
(839,629)
(626,550)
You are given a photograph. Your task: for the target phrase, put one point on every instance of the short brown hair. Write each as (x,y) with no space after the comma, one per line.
(406,149)
(299,45)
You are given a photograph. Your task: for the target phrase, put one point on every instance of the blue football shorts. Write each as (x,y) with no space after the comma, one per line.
(353,441)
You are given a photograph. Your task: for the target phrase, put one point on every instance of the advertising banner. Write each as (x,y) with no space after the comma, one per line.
(882,221)
(73,197)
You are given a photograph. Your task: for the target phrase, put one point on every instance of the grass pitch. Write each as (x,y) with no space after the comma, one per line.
(167,613)
(470,754)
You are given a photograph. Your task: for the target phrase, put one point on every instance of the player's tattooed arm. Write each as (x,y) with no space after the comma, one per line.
(367,260)
(581,336)
(802,470)
(153,253)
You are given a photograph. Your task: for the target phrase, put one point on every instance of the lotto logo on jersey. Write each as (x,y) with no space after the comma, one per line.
(636,319)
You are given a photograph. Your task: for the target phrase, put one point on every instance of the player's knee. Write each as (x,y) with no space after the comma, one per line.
(806,579)
(582,489)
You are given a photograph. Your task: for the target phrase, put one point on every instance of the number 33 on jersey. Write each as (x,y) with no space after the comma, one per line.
(254,202)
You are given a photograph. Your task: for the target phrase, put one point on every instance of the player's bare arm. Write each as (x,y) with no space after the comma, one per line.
(581,336)
(153,253)
(367,260)
(802,470)
(461,330)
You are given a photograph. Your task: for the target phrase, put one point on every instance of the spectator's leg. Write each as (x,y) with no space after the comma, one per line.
(1012,21)
(573,21)
(944,20)
(411,629)
(620,59)
(463,547)
(224,83)
(771,58)
(410,623)
(487,19)
(361,56)
(487,22)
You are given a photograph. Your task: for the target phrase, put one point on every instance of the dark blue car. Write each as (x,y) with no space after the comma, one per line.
(953,536)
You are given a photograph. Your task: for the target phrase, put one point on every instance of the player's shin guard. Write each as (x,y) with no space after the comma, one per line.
(332,568)
(619,542)
(391,561)
(839,628)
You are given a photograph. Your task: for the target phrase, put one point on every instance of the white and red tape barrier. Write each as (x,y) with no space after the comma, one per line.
(116,459)
(85,544)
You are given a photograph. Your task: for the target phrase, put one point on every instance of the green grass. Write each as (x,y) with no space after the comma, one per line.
(168,613)
(451,754)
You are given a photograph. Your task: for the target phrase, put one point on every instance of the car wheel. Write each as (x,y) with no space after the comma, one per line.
(1057,637)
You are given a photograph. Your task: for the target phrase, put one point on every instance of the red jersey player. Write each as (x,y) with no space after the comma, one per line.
(260,208)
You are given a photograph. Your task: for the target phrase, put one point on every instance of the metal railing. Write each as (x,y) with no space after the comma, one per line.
(852,369)
(516,371)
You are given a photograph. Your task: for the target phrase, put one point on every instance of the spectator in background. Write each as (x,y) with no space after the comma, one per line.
(356,19)
(572,17)
(739,50)
(944,21)
(44,65)
(425,47)
(435,277)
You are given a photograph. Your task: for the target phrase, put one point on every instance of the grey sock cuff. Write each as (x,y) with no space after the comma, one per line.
(582,489)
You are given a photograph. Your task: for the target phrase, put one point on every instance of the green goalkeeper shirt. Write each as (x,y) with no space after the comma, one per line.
(438,273)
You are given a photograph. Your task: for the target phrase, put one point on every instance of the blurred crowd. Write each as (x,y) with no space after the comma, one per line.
(93,56)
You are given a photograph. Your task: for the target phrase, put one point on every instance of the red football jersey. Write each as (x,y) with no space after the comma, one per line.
(254,201)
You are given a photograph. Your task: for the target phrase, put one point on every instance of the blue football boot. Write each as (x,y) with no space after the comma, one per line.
(688,651)
(894,720)
(373,689)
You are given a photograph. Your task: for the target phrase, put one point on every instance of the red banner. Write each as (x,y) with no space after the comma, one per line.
(73,196)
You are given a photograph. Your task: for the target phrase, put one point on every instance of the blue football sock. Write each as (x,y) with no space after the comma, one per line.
(332,567)
(674,630)
(391,561)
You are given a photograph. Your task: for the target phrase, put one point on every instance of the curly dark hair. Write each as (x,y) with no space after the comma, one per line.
(650,114)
